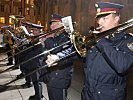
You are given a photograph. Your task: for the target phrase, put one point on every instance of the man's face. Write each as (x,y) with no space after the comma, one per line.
(55,25)
(29,29)
(108,22)
(36,31)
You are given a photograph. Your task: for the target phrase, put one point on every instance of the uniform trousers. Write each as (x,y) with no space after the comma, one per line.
(37,85)
(10,59)
(57,93)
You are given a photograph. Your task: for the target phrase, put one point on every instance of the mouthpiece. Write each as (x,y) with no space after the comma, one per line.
(98,28)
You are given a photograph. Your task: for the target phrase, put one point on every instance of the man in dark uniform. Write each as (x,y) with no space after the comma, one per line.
(59,75)
(108,61)
(23,68)
(9,43)
(35,63)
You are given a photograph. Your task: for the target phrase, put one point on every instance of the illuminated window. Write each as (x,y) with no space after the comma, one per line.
(2,19)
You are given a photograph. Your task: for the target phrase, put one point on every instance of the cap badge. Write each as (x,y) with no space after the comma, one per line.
(98,10)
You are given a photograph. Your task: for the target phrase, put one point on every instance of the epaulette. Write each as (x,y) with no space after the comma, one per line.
(130,44)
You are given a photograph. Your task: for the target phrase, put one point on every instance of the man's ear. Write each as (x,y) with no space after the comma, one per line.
(117,19)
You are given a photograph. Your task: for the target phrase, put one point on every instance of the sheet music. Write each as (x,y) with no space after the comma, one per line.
(67,23)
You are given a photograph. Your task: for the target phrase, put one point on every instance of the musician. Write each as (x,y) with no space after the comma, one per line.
(108,62)
(59,74)
(33,64)
(9,44)
(23,69)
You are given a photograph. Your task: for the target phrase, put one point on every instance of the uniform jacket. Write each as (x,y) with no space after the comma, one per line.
(30,53)
(60,75)
(102,82)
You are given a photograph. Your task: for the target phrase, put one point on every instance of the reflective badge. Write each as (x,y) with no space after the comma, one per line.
(98,10)
(130,46)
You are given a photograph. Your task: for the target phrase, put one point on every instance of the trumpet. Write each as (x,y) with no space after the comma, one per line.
(81,43)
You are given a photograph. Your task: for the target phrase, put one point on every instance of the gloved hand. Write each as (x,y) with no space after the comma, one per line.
(51,59)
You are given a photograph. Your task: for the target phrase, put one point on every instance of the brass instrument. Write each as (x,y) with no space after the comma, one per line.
(43,53)
(81,43)
(30,73)
(55,32)
(17,22)
(20,42)
(16,28)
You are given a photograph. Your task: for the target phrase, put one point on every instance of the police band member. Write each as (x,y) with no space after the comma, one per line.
(23,69)
(9,44)
(33,64)
(59,75)
(108,62)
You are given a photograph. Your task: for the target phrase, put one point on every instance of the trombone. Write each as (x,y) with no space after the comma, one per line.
(43,35)
(81,43)
(78,41)
(3,87)
(43,53)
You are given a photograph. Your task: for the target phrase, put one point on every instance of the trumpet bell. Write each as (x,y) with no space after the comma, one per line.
(17,23)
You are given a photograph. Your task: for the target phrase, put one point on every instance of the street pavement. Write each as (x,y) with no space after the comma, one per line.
(15,91)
